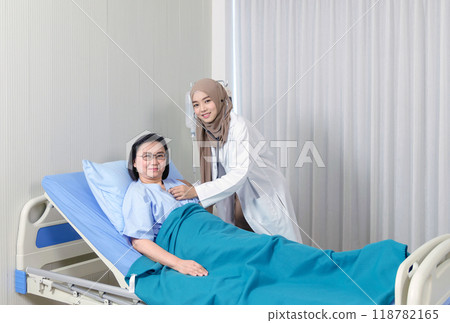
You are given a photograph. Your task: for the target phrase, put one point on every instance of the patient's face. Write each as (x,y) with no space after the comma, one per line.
(150,162)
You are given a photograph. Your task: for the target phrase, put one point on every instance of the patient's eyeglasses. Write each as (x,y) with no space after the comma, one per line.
(150,156)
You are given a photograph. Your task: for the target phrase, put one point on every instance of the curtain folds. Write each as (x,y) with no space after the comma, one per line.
(367,82)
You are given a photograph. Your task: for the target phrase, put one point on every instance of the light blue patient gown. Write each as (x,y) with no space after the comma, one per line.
(146,207)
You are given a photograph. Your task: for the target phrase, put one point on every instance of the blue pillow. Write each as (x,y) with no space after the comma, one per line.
(109,183)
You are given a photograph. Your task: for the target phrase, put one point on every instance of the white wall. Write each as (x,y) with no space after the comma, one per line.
(68,93)
(218,40)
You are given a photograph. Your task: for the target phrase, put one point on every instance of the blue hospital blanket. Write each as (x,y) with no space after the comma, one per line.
(249,268)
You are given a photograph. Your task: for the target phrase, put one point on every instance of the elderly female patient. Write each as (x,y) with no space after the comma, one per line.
(147,203)
(243,267)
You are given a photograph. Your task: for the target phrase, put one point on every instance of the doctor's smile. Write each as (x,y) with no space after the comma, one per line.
(206,115)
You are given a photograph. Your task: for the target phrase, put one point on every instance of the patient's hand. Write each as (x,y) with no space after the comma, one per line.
(158,254)
(190,267)
(183,192)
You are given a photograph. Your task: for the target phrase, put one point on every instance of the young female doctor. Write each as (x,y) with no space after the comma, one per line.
(234,158)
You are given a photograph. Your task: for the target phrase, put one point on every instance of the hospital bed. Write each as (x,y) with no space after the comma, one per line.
(66,246)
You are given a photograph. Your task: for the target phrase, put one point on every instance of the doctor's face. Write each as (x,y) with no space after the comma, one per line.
(150,162)
(204,107)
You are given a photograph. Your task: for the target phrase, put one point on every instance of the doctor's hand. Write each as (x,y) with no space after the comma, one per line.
(183,192)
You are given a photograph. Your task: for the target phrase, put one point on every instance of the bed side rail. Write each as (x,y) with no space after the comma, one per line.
(44,236)
(431,282)
(409,267)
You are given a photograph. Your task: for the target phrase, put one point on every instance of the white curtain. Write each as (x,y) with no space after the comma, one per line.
(368,83)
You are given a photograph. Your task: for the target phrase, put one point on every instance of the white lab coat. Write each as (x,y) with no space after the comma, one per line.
(252,173)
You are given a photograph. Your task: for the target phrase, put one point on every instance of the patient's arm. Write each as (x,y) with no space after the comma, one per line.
(151,250)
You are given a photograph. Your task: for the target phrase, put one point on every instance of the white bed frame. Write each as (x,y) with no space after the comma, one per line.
(59,272)
(423,278)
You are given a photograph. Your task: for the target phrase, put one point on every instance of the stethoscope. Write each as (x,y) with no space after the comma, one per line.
(217,139)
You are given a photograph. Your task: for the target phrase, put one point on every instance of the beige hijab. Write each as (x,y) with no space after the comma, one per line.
(217,130)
